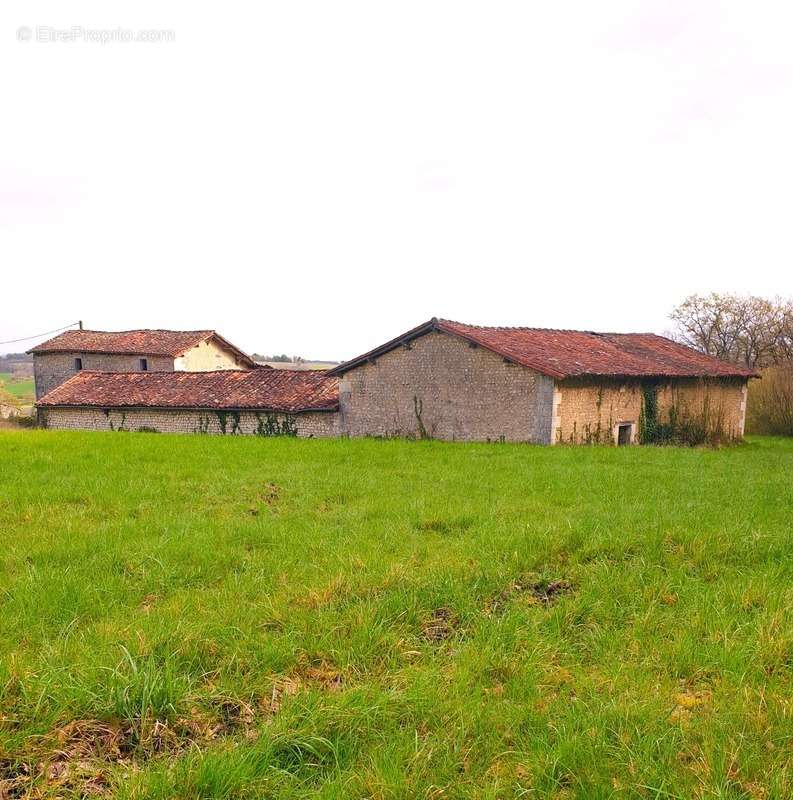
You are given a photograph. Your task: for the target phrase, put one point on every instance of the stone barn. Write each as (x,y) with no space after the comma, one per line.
(262,402)
(449,380)
(57,359)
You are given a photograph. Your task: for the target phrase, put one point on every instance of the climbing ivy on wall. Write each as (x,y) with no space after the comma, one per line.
(648,416)
(223,420)
(120,427)
(268,424)
(681,426)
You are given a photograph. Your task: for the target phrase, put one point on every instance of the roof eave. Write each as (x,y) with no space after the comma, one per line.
(140,407)
(659,375)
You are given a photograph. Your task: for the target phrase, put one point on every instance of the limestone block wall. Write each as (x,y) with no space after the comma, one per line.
(53,369)
(441,387)
(587,410)
(306,424)
(207,356)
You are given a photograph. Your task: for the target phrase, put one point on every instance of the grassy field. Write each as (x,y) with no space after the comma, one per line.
(21,388)
(199,617)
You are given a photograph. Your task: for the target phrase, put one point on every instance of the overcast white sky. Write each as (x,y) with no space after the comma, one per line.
(317,177)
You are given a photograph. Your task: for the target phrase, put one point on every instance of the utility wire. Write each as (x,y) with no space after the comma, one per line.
(39,335)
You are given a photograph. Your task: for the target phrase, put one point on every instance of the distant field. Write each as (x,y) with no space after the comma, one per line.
(201,617)
(20,388)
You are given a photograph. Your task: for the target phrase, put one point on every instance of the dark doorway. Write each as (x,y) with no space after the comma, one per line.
(624,434)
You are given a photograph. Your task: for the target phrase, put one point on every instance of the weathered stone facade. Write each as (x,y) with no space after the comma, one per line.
(303,424)
(589,410)
(53,369)
(441,387)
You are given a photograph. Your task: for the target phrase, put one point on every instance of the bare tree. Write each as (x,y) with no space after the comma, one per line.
(786,338)
(749,329)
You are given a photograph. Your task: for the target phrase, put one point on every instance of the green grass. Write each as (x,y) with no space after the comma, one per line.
(20,388)
(200,617)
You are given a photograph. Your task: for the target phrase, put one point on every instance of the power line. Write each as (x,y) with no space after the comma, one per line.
(39,335)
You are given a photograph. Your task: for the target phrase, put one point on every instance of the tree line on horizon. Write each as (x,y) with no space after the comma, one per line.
(756,331)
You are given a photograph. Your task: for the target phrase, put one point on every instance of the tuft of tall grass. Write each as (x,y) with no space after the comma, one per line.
(769,407)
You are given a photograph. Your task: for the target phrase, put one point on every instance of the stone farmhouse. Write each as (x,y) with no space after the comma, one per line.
(442,379)
(264,401)
(56,360)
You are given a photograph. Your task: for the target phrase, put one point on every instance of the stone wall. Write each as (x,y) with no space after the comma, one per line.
(441,387)
(306,424)
(588,410)
(52,369)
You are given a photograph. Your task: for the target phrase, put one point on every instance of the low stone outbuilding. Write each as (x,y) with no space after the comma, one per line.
(449,380)
(260,402)
(441,380)
(146,350)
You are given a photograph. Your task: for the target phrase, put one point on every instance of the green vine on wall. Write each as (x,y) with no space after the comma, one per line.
(648,415)
(418,410)
(268,424)
(223,420)
(681,426)
(107,412)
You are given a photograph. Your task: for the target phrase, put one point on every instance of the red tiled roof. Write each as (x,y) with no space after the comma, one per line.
(260,389)
(147,342)
(562,353)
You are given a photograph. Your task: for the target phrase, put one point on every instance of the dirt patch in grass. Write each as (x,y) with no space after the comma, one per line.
(440,625)
(234,714)
(148,602)
(73,759)
(688,702)
(78,758)
(542,592)
(268,495)
(322,675)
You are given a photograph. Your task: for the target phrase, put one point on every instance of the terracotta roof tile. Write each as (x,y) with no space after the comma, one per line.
(262,389)
(145,342)
(566,353)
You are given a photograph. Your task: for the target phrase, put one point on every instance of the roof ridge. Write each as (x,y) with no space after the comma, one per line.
(140,330)
(546,330)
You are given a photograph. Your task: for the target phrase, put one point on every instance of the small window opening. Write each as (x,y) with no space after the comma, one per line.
(78,364)
(624,434)
(144,365)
